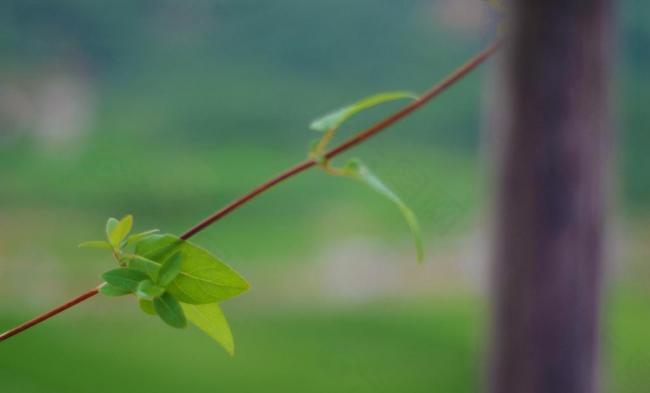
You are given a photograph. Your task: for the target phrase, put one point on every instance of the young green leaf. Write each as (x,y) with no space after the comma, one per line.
(120,230)
(170,310)
(170,269)
(144,265)
(96,244)
(137,237)
(358,171)
(113,291)
(111,224)
(124,278)
(203,278)
(336,118)
(147,290)
(210,319)
(147,307)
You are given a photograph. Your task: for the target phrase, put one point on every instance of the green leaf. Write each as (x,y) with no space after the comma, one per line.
(147,289)
(357,170)
(210,319)
(144,265)
(170,310)
(336,118)
(96,244)
(147,307)
(120,230)
(113,291)
(170,269)
(124,278)
(111,224)
(203,278)
(137,237)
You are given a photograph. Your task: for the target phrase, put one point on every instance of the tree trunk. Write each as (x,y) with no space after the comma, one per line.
(551,198)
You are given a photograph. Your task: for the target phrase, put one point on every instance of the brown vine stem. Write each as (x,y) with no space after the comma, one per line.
(452,78)
(70,303)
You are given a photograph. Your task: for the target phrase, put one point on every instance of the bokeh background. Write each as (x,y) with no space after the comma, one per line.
(169,109)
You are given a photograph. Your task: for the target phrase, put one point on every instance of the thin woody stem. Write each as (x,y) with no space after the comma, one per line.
(448,81)
(70,303)
(355,140)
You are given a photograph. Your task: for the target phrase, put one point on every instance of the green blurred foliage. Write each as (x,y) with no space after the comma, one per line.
(206,72)
(198,101)
(377,348)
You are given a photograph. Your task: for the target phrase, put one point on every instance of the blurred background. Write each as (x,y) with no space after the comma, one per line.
(170,109)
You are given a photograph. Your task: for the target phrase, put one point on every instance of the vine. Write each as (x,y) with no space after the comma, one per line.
(178,281)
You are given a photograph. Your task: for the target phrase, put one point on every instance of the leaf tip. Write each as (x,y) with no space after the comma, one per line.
(230,349)
(247,286)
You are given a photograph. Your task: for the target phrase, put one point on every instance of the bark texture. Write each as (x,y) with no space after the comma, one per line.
(551,198)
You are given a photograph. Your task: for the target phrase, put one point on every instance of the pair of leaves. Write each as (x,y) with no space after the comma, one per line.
(116,235)
(116,230)
(354,168)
